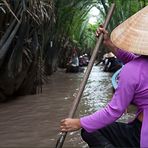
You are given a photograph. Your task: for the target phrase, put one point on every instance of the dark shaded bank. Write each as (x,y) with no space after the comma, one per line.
(23,46)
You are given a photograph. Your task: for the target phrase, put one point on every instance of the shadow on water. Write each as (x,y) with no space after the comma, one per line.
(33,121)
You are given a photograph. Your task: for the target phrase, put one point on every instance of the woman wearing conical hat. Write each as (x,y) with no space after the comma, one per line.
(129,42)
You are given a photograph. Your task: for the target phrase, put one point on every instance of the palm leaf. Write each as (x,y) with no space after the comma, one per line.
(7,5)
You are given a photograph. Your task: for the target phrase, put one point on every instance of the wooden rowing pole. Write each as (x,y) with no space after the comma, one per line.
(62,136)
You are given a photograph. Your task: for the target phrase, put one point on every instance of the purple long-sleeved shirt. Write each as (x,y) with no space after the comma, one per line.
(132,88)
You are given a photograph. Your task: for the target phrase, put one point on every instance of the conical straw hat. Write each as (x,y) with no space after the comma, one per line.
(132,34)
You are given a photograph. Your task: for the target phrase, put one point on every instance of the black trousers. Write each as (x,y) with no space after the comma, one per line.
(115,135)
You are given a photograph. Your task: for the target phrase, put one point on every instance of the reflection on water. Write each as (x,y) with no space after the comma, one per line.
(97,93)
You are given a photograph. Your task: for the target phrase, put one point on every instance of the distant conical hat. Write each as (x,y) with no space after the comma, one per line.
(132,34)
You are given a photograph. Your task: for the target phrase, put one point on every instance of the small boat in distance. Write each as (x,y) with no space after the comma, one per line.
(110,62)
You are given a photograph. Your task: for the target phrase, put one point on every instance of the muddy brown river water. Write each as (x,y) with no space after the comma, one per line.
(33,121)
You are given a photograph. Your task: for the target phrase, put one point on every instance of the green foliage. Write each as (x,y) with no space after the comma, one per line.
(35,34)
(72,17)
(24,30)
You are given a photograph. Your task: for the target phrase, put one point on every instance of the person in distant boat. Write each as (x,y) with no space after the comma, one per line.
(74,61)
(86,59)
(129,42)
(73,64)
(111,62)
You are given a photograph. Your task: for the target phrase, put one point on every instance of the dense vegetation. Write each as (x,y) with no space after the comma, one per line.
(37,36)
